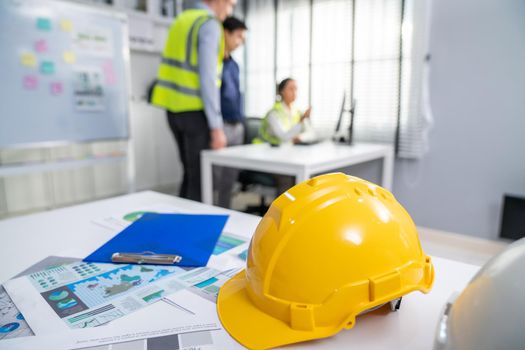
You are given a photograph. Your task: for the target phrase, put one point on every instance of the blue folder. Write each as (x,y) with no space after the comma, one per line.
(191,236)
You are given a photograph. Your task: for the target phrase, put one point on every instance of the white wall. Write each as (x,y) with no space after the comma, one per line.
(156,159)
(477,146)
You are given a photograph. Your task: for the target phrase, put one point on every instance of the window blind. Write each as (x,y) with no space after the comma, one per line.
(331,64)
(376,69)
(370,51)
(260,46)
(416,115)
(293,46)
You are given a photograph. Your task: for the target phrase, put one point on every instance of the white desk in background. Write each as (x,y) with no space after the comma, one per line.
(300,161)
(29,239)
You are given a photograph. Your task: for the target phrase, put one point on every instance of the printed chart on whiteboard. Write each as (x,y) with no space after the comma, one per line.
(89,91)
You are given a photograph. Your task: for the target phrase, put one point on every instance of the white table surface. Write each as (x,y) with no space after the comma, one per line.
(29,239)
(298,160)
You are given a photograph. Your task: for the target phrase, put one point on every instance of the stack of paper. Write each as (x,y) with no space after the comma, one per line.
(64,301)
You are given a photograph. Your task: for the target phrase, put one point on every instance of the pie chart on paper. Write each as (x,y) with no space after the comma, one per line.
(58,295)
(66,304)
(134,216)
(9,327)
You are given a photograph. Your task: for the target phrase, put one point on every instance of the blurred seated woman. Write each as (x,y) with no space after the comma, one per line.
(284,123)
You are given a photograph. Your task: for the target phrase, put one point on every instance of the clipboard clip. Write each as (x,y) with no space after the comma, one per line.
(146,258)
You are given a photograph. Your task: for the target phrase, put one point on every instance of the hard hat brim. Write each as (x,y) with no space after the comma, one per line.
(249,325)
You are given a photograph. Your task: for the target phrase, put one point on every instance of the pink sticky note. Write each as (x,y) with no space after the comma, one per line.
(41,46)
(30,82)
(56,88)
(109,73)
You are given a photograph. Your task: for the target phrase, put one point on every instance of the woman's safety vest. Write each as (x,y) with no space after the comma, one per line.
(178,85)
(284,119)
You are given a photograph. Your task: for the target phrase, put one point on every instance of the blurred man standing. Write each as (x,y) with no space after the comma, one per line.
(231,105)
(188,86)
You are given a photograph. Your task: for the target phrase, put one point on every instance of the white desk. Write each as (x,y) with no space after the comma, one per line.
(28,239)
(299,161)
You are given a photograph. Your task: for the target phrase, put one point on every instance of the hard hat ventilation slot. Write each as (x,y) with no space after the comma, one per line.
(357,191)
(371,192)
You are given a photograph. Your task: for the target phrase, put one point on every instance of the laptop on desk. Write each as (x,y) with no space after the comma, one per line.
(311,136)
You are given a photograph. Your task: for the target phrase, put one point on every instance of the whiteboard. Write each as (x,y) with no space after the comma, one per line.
(64,73)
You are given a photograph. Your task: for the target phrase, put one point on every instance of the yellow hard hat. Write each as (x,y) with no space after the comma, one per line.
(326,250)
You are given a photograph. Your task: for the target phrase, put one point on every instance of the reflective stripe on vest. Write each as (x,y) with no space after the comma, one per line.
(178,84)
(284,120)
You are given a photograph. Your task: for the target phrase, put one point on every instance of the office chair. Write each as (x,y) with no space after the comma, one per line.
(256,181)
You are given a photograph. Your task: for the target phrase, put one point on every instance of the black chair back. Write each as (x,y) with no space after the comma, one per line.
(251,128)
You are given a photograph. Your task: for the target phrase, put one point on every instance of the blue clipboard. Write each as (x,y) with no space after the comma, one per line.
(191,237)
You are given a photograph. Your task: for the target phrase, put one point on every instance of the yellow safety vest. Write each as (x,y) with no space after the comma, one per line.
(286,122)
(178,86)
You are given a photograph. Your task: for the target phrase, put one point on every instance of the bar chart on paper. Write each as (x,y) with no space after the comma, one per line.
(226,242)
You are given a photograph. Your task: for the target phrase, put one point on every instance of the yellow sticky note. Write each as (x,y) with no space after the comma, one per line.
(66,25)
(69,57)
(28,60)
